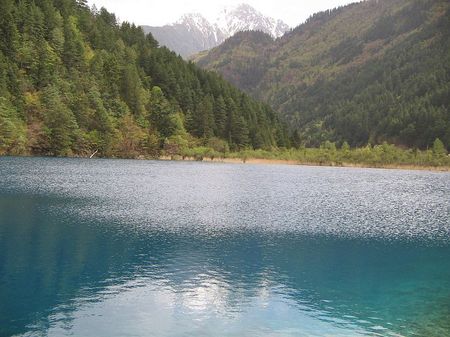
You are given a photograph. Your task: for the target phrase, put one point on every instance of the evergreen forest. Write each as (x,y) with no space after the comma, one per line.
(73,81)
(370,72)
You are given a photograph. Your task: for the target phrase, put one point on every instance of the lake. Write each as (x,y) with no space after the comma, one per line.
(151,248)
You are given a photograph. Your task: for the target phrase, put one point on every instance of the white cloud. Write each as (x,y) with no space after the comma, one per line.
(157,13)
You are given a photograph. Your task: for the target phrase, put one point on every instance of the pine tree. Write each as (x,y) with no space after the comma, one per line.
(8,31)
(160,113)
(220,116)
(204,118)
(73,45)
(12,130)
(439,149)
(60,122)
(131,89)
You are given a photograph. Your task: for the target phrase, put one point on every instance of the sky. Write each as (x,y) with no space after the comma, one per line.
(161,12)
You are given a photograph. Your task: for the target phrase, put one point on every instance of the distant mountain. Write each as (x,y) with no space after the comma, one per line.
(193,33)
(245,17)
(189,35)
(369,72)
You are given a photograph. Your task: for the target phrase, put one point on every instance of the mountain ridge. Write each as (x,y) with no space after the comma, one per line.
(367,72)
(193,33)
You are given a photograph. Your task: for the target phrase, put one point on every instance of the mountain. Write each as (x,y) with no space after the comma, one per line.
(369,72)
(75,81)
(193,33)
(189,35)
(244,17)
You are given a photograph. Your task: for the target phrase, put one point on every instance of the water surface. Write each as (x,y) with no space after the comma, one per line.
(148,248)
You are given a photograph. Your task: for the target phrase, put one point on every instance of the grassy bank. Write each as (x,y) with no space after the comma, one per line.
(382,156)
(379,156)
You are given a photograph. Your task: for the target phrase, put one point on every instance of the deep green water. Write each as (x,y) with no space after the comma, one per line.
(148,248)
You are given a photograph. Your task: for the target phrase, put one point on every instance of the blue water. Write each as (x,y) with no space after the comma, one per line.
(148,248)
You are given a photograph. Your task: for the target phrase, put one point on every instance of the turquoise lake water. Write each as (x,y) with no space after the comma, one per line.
(149,248)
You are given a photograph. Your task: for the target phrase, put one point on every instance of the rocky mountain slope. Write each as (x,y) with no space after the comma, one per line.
(193,33)
(369,72)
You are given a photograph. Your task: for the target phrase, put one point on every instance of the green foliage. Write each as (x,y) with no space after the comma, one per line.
(383,155)
(161,113)
(130,140)
(8,30)
(345,147)
(372,71)
(12,130)
(60,121)
(439,149)
(74,46)
(74,81)
(218,145)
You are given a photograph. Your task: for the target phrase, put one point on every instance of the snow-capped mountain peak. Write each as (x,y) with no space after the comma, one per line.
(193,33)
(244,17)
(194,21)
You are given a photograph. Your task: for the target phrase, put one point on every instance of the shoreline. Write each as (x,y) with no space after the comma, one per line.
(266,161)
(260,161)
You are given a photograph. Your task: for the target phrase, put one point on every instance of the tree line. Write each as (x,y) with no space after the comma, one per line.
(367,73)
(74,80)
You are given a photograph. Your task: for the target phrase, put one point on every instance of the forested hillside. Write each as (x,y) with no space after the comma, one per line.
(369,72)
(73,80)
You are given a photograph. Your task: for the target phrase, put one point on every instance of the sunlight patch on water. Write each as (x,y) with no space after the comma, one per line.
(201,310)
(111,247)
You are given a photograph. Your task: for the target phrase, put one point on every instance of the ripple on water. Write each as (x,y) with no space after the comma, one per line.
(193,249)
